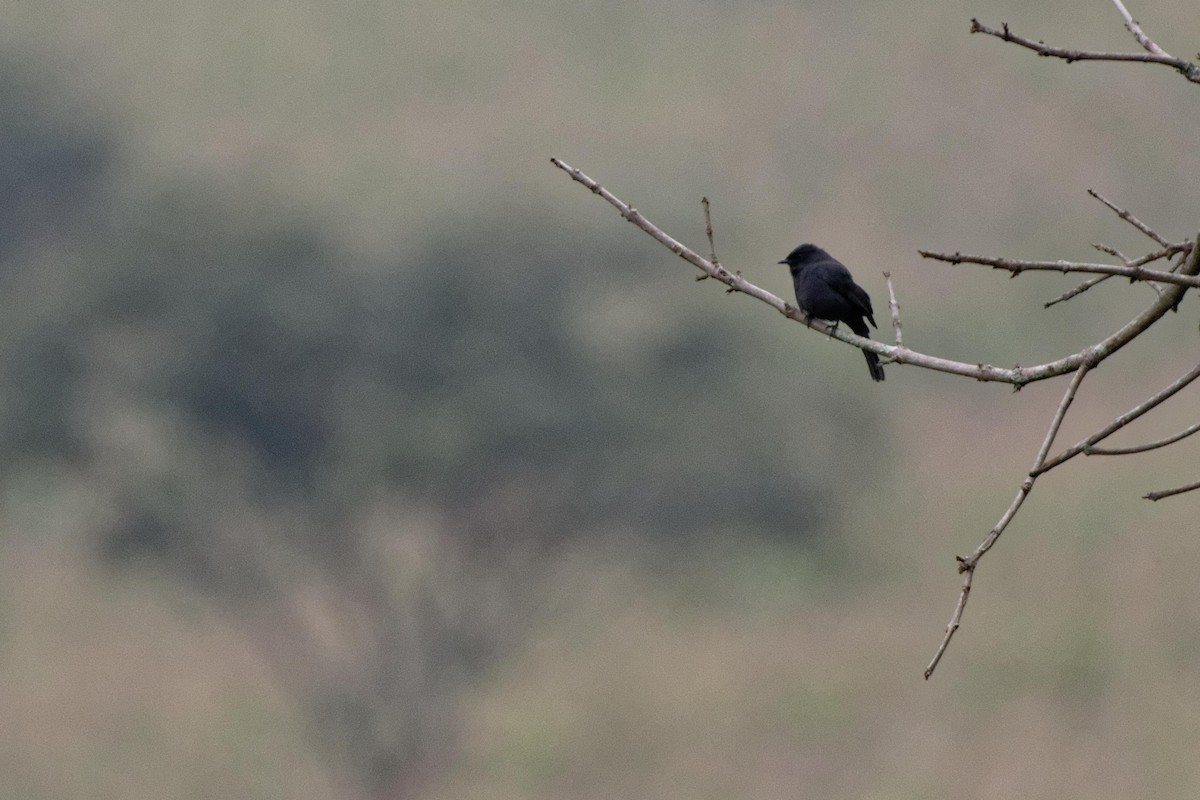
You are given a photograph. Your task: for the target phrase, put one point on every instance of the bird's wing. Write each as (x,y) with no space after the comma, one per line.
(839,279)
(861,301)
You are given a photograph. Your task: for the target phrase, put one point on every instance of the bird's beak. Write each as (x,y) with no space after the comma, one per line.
(781,262)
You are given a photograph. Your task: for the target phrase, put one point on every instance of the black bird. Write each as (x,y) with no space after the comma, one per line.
(825,290)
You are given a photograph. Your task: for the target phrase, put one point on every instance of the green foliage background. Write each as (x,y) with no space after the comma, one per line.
(349,449)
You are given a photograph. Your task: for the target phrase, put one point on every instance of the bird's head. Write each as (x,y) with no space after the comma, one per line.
(804,255)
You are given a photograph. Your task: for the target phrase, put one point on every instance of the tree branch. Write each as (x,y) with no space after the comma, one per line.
(1017,376)
(1188,69)
(1133,271)
(1041,465)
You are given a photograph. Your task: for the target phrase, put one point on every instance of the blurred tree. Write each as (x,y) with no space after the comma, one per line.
(52,164)
(369,466)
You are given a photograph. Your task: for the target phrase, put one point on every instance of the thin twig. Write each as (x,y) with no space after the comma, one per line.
(968,564)
(1141,448)
(894,308)
(1112,251)
(955,620)
(1017,376)
(1078,290)
(1156,496)
(1115,253)
(708,229)
(1186,68)
(1090,282)
(1180,258)
(1145,41)
(1130,218)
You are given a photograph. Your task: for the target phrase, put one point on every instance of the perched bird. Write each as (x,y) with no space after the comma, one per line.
(825,290)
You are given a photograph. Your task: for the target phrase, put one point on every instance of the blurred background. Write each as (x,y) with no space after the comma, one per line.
(349,449)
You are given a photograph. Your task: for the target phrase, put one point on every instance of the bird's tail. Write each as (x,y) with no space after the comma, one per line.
(874,365)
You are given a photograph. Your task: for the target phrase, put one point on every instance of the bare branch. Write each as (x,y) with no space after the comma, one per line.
(1130,218)
(968,564)
(1041,465)
(1133,270)
(1186,68)
(1017,376)
(894,308)
(1141,448)
(1156,496)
